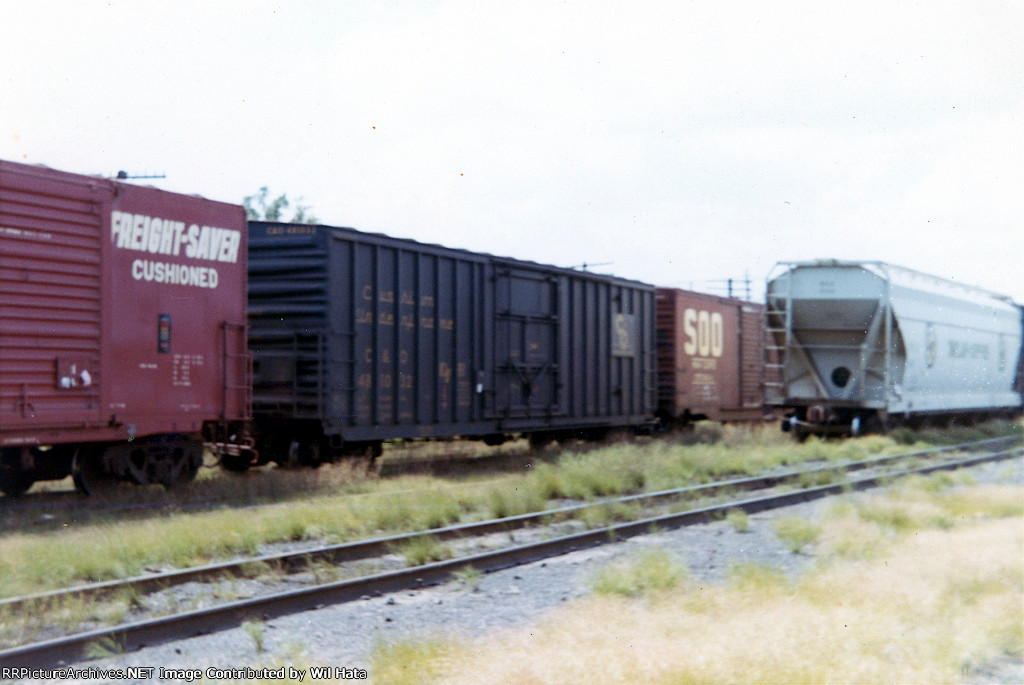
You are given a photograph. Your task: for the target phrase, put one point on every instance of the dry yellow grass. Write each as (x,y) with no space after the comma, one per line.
(933,606)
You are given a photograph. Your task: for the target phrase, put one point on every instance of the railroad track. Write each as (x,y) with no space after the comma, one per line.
(152,631)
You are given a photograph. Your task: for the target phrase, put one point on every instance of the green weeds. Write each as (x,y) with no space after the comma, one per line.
(514,500)
(760,577)
(104,648)
(739,520)
(469,577)
(423,550)
(257,631)
(602,515)
(796,532)
(409,661)
(652,571)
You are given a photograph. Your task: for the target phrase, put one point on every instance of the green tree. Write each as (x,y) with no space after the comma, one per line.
(257,207)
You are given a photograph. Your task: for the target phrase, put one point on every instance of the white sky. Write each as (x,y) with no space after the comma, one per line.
(671,142)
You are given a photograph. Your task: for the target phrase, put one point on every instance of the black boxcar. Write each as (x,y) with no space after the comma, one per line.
(359,338)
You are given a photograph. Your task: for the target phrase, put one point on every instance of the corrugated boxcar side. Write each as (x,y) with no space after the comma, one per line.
(402,339)
(51,234)
(288,324)
(710,356)
(108,326)
(609,347)
(571,348)
(414,314)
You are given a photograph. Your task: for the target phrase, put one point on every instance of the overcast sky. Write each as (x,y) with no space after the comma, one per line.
(676,142)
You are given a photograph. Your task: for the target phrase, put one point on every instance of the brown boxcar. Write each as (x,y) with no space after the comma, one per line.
(710,357)
(122,328)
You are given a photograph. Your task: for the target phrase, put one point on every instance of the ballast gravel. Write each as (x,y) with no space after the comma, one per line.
(343,636)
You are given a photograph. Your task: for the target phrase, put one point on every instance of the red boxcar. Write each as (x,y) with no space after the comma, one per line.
(122,329)
(710,357)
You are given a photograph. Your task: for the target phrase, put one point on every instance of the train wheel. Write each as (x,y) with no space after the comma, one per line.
(187,467)
(314,453)
(370,449)
(303,453)
(166,459)
(15,476)
(495,439)
(14,483)
(876,425)
(540,439)
(90,474)
(594,434)
(236,463)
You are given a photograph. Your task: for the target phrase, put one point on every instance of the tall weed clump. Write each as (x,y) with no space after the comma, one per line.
(796,532)
(408,510)
(423,550)
(650,572)
(514,500)
(602,472)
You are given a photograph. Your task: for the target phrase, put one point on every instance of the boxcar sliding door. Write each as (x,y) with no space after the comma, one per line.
(526,364)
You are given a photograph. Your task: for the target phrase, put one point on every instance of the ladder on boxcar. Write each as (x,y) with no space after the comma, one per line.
(236,374)
(774,352)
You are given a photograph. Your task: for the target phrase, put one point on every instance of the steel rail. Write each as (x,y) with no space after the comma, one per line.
(132,637)
(363,549)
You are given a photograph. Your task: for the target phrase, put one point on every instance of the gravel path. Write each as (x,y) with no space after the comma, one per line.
(344,635)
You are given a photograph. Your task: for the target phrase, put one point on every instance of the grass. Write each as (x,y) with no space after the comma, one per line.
(821,478)
(257,631)
(225,516)
(408,662)
(651,572)
(937,436)
(423,550)
(934,603)
(514,501)
(45,616)
(115,549)
(603,515)
(796,532)
(759,578)
(470,577)
(104,648)
(866,529)
(739,520)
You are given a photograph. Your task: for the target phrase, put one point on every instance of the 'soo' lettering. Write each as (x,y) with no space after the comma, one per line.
(705,333)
